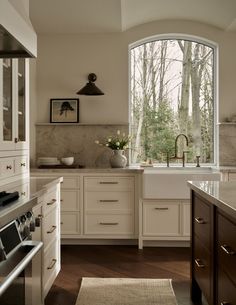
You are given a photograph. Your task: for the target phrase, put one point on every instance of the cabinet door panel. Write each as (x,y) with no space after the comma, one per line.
(70,223)
(161,219)
(69,200)
(186,219)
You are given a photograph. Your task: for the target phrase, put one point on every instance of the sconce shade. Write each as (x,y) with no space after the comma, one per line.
(90,88)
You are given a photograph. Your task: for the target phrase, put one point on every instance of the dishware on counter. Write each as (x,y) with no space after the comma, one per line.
(68,160)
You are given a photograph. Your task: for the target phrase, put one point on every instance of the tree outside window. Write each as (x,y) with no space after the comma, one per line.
(172,92)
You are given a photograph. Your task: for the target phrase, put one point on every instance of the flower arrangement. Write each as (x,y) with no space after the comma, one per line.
(117,142)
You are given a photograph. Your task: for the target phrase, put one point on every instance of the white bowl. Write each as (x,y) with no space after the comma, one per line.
(68,160)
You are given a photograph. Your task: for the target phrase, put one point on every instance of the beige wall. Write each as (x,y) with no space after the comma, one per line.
(65,60)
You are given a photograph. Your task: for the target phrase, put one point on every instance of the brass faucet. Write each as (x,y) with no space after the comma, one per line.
(176,151)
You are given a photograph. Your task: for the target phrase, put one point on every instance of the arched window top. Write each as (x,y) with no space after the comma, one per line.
(172,91)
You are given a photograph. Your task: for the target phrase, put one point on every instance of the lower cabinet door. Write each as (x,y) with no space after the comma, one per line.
(70,223)
(226,289)
(51,266)
(161,219)
(109,224)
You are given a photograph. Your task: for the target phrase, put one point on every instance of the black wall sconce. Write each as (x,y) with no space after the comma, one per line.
(90,88)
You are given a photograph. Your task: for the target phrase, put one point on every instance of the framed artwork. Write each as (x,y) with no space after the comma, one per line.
(64,110)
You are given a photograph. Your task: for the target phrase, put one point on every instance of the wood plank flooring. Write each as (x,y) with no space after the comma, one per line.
(120,261)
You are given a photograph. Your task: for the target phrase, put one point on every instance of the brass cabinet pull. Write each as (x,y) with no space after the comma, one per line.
(105,200)
(53,201)
(227,250)
(61,200)
(16,140)
(8,167)
(23,164)
(62,223)
(108,182)
(199,220)
(225,303)
(52,230)
(109,223)
(52,264)
(162,209)
(40,216)
(199,264)
(23,193)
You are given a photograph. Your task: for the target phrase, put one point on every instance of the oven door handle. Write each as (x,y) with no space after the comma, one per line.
(8,279)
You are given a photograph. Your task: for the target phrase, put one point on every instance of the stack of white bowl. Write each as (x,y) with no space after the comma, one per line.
(48,161)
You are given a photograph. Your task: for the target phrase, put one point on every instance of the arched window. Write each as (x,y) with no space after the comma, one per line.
(172,91)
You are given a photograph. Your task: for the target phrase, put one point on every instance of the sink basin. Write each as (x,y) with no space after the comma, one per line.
(171,182)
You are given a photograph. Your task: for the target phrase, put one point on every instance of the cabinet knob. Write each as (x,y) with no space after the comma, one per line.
(9,167)
(199,220)
(52,202)
(16,140)
(22,164)
(227,249)
(52,264)
(199,263)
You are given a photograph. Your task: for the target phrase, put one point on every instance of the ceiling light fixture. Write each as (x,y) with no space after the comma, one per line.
(90,88)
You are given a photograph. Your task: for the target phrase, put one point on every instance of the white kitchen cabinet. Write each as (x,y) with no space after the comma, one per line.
(164,220)
(109,206)
(14,104)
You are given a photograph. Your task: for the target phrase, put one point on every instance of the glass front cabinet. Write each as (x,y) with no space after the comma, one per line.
(13,104)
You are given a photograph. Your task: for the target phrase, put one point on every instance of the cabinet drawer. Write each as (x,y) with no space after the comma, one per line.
(109,224)
(108,183)
(7,167)
(70,223)
(226,289)
(21,165)
(109,201)
(51,264)
(161,219)
(202,268)
(70,183)
(69,200)
(50,227)
(202,220)
(50,201)
(227,246)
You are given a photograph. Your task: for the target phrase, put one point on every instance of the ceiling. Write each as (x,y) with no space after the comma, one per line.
(104,16)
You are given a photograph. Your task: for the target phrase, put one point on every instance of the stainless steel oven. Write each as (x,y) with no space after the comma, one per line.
(19,279)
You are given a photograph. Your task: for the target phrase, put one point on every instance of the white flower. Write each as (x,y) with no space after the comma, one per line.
(117,143)
(109,140)
(97,142)
(118,132)
(107,144)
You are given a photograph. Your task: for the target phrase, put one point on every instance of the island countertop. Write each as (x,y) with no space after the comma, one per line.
(221,194)
(37,187)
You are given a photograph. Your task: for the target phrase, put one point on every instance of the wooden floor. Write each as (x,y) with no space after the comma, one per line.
(119,261)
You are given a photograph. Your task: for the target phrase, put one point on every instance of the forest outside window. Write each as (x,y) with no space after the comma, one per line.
(172,91)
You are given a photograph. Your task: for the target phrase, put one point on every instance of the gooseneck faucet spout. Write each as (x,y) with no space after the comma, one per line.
(176,150)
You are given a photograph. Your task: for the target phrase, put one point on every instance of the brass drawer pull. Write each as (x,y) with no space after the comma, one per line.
(52,264)
(199,220)
(227,250)
(108,182)
(51,203)
(61,200)
(105,200)
(23,164)
(52,230)
(109,223)
(23,193)
(62,223)
(9,167)
(162,209)
(199,264)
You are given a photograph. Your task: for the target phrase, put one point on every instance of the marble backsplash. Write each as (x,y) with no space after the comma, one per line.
(77,141)
(227,144)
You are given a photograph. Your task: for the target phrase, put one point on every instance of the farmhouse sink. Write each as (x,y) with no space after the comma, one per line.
(171,182)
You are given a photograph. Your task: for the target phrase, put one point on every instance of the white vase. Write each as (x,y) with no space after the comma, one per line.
(118,159)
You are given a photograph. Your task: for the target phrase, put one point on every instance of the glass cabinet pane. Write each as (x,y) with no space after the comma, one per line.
(21,100)
(7,100)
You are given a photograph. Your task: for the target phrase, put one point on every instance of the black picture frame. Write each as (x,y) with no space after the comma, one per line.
(64,110)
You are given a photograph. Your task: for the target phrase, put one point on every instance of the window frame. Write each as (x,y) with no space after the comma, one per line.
(193,38)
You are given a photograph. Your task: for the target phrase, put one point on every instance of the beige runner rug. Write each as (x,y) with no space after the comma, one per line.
(125,291)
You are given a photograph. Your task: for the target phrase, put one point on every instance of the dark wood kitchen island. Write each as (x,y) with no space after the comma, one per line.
(213,242)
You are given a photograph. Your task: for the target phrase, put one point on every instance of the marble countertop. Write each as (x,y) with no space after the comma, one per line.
(128,169)
(37,187)
(227,169)
(221,194)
